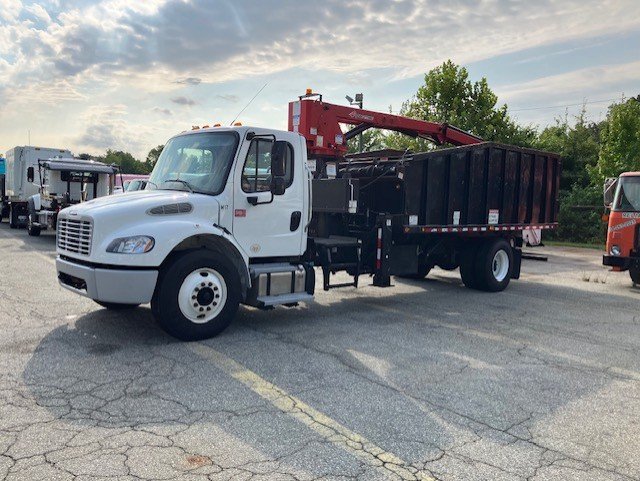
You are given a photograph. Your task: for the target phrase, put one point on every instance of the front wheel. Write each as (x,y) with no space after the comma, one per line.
(32,229)
(198,295)
(634,273)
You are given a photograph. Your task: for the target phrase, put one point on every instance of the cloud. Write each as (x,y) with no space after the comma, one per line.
(39,12)
(162,111)
(189,81)
(199,40)
(229,98)
(183,101)
(10,9)
(577,83)
(107,128)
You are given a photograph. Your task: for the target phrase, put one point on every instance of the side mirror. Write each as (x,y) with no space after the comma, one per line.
(609,189)
(30,174)
(278,185)
(278,158)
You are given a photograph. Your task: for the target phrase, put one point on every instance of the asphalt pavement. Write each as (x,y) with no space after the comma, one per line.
(424,380)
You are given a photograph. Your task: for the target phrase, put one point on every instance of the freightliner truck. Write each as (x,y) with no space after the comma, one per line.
(243,215)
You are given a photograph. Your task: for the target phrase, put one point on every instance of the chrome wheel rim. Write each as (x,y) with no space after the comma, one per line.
(500,265)
(203,295)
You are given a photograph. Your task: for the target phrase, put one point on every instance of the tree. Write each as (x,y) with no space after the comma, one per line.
(578,145)
(372,139)
(620,142)
(153,155)
(448,96)
(127,162)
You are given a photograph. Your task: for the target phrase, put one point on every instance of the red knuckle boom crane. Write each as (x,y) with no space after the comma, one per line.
(319,122)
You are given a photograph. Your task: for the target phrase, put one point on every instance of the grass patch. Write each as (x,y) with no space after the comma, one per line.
(582,245)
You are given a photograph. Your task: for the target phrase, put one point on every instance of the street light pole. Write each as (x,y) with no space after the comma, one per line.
(359,101)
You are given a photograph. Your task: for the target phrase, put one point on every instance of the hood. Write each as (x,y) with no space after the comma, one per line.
(134,204)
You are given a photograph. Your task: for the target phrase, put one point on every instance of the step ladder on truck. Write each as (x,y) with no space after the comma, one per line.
(243,215)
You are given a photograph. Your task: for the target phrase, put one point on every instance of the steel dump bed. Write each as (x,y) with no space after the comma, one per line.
(486,186)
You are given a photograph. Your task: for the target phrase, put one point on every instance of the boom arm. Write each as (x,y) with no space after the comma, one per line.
(319,122)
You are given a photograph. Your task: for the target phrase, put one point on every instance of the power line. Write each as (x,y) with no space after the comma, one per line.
(566,105)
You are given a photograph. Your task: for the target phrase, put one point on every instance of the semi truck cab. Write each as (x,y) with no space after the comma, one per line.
(622,197)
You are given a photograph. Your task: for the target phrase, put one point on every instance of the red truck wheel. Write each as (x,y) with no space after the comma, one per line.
(634,273)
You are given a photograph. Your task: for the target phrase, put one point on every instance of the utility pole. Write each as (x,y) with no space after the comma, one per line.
(359,101)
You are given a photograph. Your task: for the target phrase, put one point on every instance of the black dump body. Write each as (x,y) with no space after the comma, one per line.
(393,213)
(486,184)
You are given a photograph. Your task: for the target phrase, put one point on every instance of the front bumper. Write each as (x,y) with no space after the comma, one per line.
(122,286)
(623,263)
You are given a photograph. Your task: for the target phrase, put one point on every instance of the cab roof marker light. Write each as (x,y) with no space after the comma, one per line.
(238,124)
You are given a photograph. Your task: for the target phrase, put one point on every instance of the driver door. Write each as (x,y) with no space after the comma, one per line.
(266,225)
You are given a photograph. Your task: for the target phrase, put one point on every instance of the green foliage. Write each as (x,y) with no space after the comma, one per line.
(372,139)
(620,142)
(153,155)
(580,216)
(127,162)
(578,145)
(448,96)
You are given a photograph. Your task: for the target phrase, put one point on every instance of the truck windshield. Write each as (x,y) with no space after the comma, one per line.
(627,195)
(195,162)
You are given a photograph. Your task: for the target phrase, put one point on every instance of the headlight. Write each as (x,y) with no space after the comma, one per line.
(615,250)
(138,244)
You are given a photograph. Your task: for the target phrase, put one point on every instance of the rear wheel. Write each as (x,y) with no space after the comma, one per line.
(13,217)
(494,265)
(634,273)
(468,265)
(198,295)
(114,306)
(32,216)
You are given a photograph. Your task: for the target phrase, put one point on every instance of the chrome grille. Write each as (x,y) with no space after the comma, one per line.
(75,235)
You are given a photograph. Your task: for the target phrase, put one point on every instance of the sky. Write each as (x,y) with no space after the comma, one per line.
(128,74)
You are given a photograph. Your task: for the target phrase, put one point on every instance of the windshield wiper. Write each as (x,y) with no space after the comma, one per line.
(183,182)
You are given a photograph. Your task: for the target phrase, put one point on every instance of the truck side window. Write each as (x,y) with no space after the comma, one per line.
(256,173)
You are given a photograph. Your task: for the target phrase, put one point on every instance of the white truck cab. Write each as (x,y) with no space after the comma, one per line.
(223,221)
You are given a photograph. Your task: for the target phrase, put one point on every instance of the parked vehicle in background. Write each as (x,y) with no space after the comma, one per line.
(243,215)
(64,182)
(136,184)
(622,200)
(122,182)
(4,206)
(19,162)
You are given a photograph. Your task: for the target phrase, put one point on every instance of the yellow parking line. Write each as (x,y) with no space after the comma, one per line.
(326,427)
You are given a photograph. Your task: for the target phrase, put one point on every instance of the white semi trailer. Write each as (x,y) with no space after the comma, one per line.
(18,188)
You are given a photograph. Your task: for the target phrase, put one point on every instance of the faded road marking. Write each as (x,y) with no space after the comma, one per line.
(326,427)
